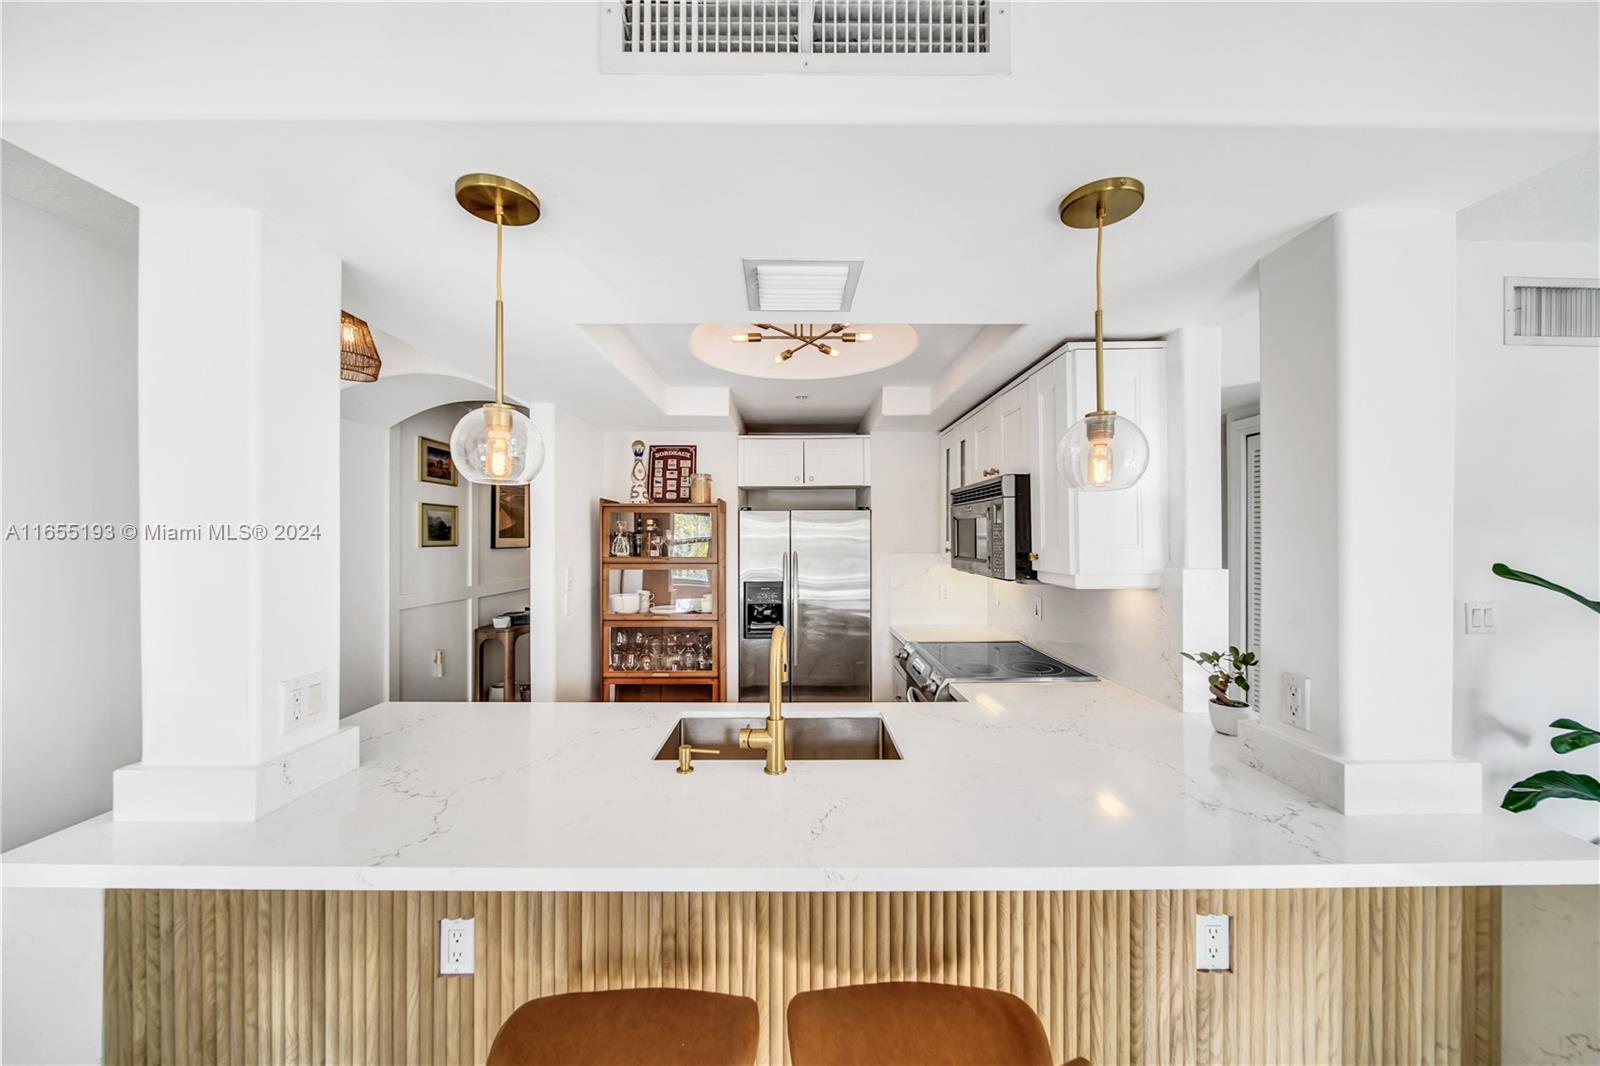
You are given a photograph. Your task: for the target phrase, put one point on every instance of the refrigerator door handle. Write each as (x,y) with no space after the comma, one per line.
(794,619)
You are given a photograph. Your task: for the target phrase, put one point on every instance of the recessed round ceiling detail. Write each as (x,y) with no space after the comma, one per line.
(712,343)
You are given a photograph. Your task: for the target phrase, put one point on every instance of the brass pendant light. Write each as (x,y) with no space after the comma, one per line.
(496,444)
(358,353)
(1103,450)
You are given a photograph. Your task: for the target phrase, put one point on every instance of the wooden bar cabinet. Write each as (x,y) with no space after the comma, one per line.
(670,649)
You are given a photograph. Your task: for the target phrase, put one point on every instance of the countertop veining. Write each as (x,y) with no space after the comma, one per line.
(1077,786)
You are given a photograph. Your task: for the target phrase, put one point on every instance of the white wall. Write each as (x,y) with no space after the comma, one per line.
(1528,495)
(580,468)
(908,516)
(69,713)
(440,595)
(363,566)
(1358,321)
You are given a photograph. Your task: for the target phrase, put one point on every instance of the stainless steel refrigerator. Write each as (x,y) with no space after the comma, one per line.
(811,572)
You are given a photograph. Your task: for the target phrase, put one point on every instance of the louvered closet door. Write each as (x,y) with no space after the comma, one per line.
(1252,557)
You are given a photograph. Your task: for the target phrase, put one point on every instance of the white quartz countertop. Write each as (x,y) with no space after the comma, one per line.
(1071,786)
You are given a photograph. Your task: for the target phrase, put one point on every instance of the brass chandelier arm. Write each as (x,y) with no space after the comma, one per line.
(800,333)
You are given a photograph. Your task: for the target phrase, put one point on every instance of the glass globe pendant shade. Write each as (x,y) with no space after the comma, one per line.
(497,445)
(1102,452)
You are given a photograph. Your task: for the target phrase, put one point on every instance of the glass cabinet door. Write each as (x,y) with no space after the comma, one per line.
(651,535)
(661,649)
(660,591)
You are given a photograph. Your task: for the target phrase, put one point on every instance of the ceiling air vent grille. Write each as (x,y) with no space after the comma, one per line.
(900,27)
(724,27)
(804,36)
(1552,311)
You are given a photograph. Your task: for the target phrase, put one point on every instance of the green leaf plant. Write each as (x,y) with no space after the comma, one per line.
(1554,784)
(1226,670)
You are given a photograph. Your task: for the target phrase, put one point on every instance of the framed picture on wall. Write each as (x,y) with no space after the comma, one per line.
(508,516)
(437,525)
(434,463)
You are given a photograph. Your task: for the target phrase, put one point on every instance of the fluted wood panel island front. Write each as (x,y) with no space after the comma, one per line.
(1052,840)
(1320,976)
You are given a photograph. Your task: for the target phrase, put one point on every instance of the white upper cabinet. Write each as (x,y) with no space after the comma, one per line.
(1014,418)
(985,442)
(766,462)
(795,462)
(836,461)
(1101,539)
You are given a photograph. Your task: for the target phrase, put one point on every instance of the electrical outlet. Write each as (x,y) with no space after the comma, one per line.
(302,701)
(1037,605)
(1211,947)
(455,945)
(438,662)
(1480,617)
(944,593)
(1297,700)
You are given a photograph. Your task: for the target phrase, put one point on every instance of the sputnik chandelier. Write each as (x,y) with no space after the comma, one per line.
(804,336)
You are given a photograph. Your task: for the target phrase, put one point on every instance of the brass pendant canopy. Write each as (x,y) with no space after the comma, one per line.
(481,194)
(358,354)
(1121,197)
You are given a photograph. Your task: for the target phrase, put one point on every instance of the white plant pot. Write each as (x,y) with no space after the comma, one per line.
(1225,719)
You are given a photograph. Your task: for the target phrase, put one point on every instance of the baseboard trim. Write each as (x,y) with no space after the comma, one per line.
(144,793)
(1410,786)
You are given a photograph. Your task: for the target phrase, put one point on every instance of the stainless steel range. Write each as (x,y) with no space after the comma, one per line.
(930,668)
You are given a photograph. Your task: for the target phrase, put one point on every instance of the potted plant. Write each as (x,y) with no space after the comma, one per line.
(1554,784)
(1227,670)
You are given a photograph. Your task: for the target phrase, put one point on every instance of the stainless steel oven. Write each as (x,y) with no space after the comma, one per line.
(991,528)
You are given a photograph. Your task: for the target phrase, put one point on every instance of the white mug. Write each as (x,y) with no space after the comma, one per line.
(646,598)
(625,603)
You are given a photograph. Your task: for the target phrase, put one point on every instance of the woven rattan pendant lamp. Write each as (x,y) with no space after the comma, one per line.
(358,354)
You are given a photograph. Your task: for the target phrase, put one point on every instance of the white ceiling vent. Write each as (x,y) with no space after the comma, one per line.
(801,284)
(1552,311)
(805,36)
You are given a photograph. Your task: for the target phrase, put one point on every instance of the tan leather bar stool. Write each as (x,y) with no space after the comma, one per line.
(661,1026)
(914,1023)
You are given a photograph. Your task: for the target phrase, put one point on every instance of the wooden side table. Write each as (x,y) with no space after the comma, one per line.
(507,639)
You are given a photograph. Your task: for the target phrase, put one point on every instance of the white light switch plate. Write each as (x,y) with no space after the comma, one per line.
(1479,617)
(1297,700)
(1212,950)
(455,945)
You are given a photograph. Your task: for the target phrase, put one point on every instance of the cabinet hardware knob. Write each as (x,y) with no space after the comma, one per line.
(797,477)
(813,477)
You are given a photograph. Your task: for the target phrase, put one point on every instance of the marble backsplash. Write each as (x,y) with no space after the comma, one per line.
(1129,636)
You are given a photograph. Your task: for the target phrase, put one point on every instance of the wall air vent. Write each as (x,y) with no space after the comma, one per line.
(801,284)
(1552,311)
(805,36)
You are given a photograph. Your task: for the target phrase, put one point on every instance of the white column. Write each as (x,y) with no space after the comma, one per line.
(1357,404)
(1195,577)
(238,439)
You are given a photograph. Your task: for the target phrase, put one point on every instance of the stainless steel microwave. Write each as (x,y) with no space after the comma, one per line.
(991,528)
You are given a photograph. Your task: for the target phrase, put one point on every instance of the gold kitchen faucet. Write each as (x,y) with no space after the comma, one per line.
(770,739)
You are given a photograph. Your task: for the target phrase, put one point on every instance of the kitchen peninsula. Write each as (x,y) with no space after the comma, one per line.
(1052,840)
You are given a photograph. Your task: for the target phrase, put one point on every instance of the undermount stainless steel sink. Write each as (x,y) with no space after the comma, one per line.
(805,738)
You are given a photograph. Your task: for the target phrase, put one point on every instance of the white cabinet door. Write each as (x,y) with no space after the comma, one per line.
(950,478)
(964,468)
(836,461)
(1052,406)
(986,441)
(1014,426)
(1101,539)
(768,462)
